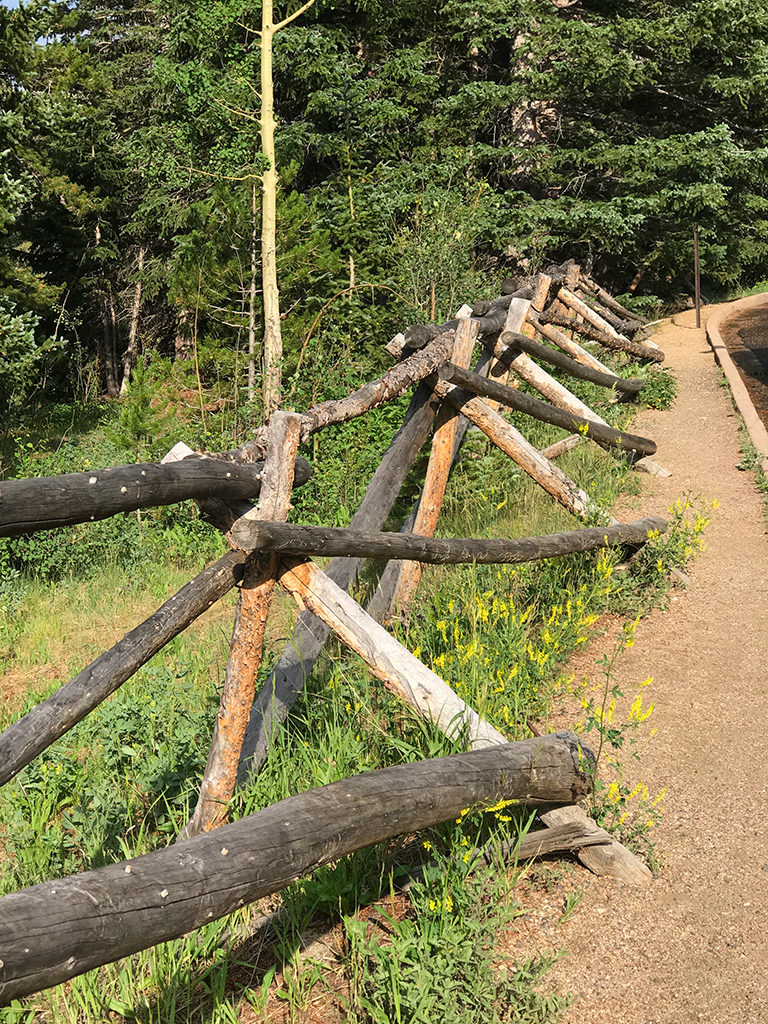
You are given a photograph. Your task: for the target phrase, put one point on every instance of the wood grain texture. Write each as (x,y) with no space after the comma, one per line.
(57,930)
(401,672)
(286,681)
(245,650)
(298,540)
(438,469)
(44,503)
(603,434)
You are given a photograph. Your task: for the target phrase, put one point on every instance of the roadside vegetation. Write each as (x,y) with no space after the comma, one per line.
(121,783)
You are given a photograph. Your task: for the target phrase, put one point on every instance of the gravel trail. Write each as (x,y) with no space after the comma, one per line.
(693,945)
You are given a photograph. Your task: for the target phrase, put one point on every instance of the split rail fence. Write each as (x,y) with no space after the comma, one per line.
(54,931)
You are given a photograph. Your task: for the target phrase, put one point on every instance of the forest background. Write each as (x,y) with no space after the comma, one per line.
(424,151)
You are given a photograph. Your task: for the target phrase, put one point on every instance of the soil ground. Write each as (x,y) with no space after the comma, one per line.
(692,945)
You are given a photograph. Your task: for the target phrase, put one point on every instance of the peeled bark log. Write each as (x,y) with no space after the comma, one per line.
(245,652)
(604,435)
(44,724)
(512,443)
(400,671)
(296,540)
(608,300)
(57,930)
(286,682)
(438,469)
(612,341)
(44,503)
(568,345)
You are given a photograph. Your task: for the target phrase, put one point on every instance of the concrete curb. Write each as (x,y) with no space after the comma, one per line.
(755,426)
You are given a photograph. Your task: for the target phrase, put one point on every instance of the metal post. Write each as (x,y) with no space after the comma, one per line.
(697,273)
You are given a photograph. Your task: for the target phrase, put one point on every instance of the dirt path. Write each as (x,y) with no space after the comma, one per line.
(693,946)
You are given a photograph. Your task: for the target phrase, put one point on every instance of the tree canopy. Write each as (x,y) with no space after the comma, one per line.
(419,147)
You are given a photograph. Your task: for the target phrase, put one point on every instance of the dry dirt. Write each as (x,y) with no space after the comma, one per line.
(693,945)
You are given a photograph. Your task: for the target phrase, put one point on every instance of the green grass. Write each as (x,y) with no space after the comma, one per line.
(122,781)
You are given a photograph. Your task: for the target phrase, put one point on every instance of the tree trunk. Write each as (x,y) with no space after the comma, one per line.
(273,338)
(252,297)
(131,353)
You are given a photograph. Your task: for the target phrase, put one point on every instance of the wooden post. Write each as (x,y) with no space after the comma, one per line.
(603,434)
(580,370)
(438,469)
(286,681)
(245,651)
(697,273)
(572,348)
(23,740)
(517,315)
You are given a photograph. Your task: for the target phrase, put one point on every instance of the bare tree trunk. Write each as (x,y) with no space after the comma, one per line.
(129,359)
(183,339)
(110,345)
(252,299)
(273,339)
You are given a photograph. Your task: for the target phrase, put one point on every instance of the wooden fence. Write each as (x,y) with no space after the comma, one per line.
(51,932)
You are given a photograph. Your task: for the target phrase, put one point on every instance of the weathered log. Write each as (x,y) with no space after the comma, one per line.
(388,660)
(612,341)
(57,930)
(582,309)
(517,315)
(43,503)
(512,443)
(382,606)
(618,323)
(410,371)
(299,540)
(490,317)
(610,857)
(608,300)
(21,742)
(514,399)
(286,681)
(533,374)
(438,469)
(583,371)
(565,444)
(568,345)
(245,652)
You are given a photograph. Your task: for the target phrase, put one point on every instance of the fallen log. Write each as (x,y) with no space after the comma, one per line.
(57,930)
(246,647)
(604,435)
(612,341)
(286,681)
(299,540)
(44,503)
(22,741)
(631,385)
